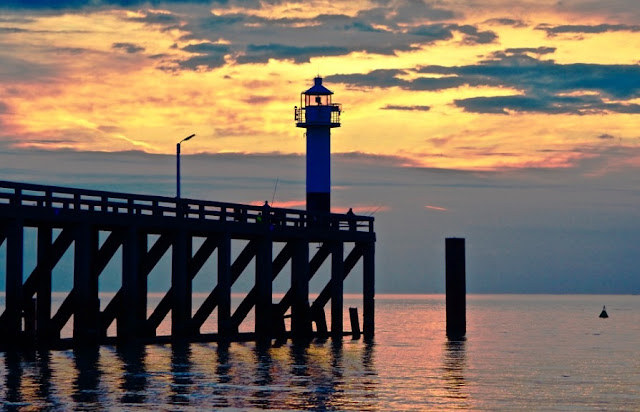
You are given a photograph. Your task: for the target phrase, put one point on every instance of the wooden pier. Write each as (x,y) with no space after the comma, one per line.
(94,225)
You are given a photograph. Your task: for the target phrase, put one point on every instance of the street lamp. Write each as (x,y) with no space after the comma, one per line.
(178,164)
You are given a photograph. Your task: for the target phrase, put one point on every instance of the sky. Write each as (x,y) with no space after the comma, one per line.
(509,123)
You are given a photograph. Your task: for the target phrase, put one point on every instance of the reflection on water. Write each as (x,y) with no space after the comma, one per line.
(319,375)
(453,367)
(181,375)
(521,353)
(87,381)
(133,383)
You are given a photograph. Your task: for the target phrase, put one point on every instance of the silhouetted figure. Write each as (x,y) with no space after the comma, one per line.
(266,214)
(351,219)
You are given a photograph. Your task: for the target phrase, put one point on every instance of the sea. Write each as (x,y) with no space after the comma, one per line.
(521,353)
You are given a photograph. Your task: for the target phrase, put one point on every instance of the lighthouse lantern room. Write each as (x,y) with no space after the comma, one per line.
(318,115)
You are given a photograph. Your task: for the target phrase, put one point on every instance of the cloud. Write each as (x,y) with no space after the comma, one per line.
(299,39)
(431,33)
(544,104)
(397,13)
(545,86)
(475,36)
(209,56)
(506,22)
(435,32)
(409,108)
(15,70)
(128,47)
(438,208)
(529,50)
(157,18)
(12,30)
(370,158)
(586,29)
(384,78)
(262,53)
(83,4)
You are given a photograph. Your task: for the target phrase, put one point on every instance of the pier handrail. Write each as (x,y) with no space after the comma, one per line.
(97,201)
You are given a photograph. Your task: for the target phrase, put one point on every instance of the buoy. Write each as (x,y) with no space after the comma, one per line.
(603,314)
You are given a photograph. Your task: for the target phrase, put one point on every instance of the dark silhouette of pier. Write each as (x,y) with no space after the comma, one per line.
(145,228)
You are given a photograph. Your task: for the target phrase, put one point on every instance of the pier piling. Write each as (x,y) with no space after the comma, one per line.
(455,288)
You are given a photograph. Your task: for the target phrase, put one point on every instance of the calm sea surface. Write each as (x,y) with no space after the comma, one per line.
(522,352)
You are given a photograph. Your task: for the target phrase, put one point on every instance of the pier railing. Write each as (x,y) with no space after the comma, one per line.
(57,198)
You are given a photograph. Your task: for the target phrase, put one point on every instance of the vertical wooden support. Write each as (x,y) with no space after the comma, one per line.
(43,299)
(368,290)
(13,291)
(181,285)
(224,286)
(14,273)
(29,313)
(300,311)
(85,285)
(337,278)
(355,323)
(132,315)
(264,277)
(456,288)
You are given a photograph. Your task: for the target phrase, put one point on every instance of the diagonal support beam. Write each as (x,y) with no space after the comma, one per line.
(3,232)
(150,260)
(250,300)
(314,265)
(103,256)
(211,301)
(199,259)
(349,263)
(63,314)
(58,248)
(107,250)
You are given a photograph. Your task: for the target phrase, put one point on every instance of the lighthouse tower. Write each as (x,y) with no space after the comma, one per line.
(318,115)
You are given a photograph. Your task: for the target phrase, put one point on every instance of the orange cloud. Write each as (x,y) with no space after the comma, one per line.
(436,208)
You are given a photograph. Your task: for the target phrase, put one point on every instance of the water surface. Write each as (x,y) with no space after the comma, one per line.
(522,352)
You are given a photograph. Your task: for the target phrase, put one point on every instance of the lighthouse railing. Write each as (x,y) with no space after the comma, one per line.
(334,109)
(61,202)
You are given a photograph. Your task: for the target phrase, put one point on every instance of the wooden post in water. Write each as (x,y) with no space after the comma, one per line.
(337,278)
(181,285)
(133,314)
(368,291)
(43,299)
(455,288)
(355,324)
(13,291)
(86,312)
(224,285)
(264,278)
(300,312)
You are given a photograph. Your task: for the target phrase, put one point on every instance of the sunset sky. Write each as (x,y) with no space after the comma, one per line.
(512,123)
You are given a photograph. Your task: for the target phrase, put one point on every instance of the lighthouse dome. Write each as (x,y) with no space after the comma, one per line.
(318,89)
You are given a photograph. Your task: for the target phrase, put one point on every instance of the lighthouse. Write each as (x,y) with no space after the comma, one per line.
(318,114)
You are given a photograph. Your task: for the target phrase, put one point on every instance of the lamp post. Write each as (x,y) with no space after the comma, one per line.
(178,164)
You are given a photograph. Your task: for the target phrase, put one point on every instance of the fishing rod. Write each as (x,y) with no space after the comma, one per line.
(376,209)
(274,191)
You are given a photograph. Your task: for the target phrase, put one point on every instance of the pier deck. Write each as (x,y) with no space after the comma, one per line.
(94,225)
